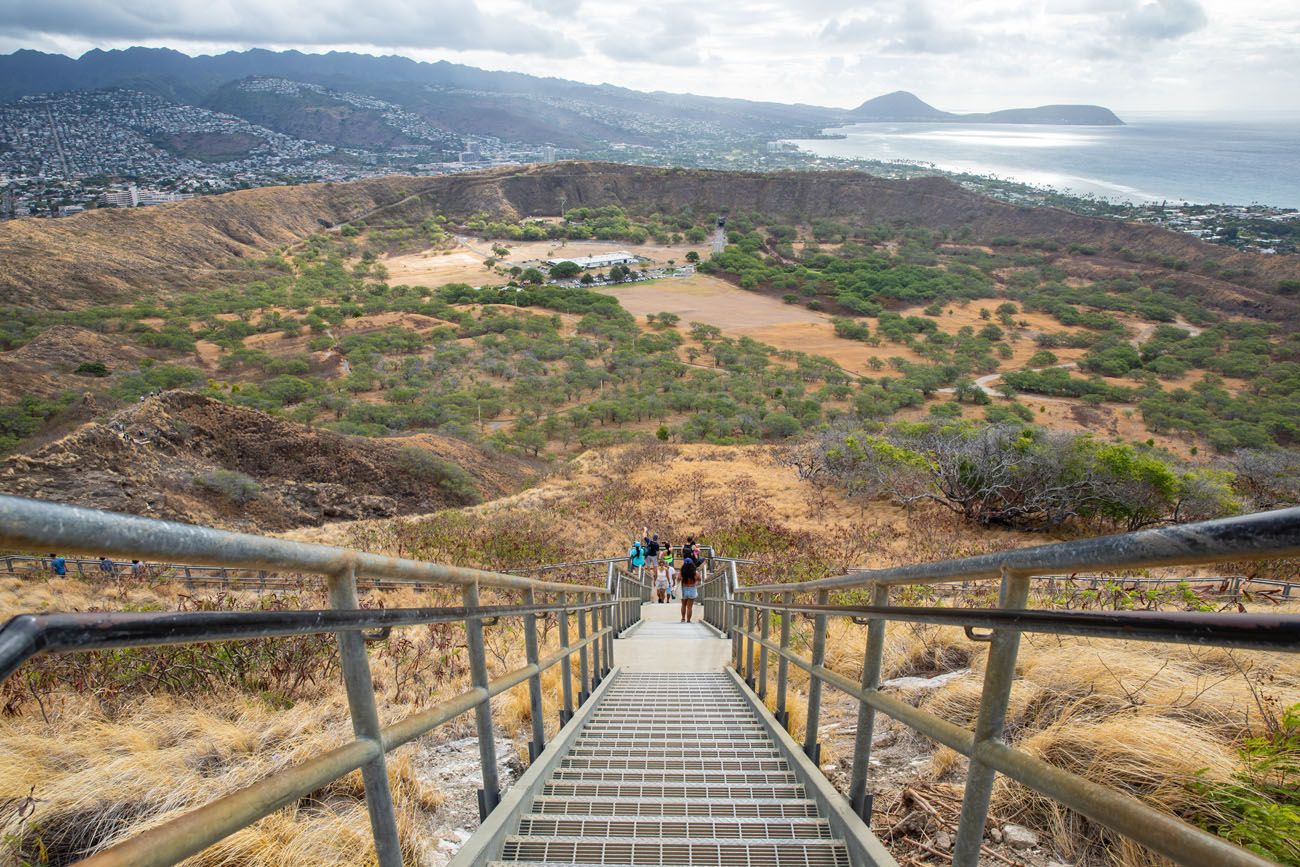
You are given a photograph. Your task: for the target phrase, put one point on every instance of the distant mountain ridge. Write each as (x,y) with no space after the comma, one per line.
(456,100)
(903,107)
(463,100)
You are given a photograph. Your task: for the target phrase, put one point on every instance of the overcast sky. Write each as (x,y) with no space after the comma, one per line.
(1185,55)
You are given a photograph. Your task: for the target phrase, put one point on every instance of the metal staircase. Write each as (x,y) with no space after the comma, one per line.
(674,769)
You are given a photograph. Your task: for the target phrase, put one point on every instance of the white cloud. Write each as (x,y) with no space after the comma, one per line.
(1162,19)
(956,54)
(452,24)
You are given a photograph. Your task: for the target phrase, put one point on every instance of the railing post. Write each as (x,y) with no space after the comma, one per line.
(859,795)
(766,614)
(783,664)
(724,607)
(734,615)
(810,746)
(566,663)
(999,673)
(615,587)
(490,794)
(607,614)
(751,624)
(583,677)
(538,742)
(360,689)
(596,650)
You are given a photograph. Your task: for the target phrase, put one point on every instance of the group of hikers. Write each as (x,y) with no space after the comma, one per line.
(670,579)
(58,566)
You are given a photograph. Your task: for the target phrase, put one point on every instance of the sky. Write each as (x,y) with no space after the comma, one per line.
(1195,56)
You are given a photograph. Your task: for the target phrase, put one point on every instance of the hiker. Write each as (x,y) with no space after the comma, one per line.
(661,583)
(669,563)
(58,566)
(651,545)
(688,550)
(689,590)
(635,557)
(137,569)
(106,566)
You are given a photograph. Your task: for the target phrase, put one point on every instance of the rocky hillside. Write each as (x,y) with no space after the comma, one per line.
(111,255)
(186,457)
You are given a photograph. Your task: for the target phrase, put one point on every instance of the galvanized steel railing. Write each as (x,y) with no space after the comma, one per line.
(601,613)
(746,613)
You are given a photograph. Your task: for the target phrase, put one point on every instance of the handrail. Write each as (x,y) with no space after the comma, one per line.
(601,614)
(1258,536)
(745,614)
(36,524)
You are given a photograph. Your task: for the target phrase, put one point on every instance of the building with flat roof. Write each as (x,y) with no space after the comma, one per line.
(600,260)
(132,197)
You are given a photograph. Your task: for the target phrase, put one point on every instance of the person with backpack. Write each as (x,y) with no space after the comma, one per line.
(635,557)
(651,546)
(689,590)
(688,550)
(106,566)
(702,567)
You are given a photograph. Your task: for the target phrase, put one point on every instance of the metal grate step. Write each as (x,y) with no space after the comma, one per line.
(683,718)
(666,826)
(689,776)
(683,751)
(677,853)
(587,789)
(746,808)
(660,761)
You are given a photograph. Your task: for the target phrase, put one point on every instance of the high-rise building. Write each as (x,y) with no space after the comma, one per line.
(132,197)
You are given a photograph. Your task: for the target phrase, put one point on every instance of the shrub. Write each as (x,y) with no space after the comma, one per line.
(23,419)
(564,270)
(91,368)
(429,469)
(780,425)
(235,487)
(1259,808)
(1043,359)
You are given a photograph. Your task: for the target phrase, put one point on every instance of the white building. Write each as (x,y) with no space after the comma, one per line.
(132,197)
(600,260)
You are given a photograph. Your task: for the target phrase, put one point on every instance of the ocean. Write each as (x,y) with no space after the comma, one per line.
(1152,158)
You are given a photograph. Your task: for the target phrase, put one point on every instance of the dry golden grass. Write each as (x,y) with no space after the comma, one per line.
(101,777)
(99,782)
